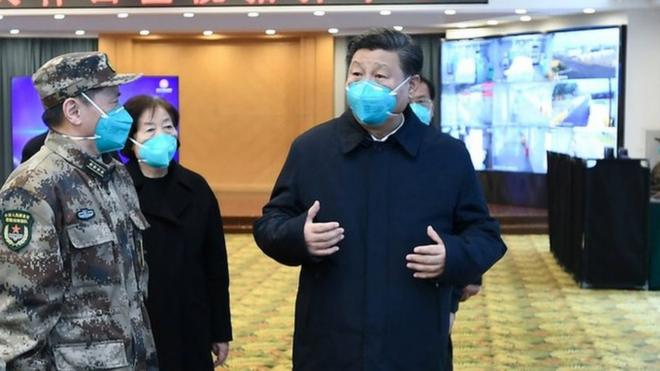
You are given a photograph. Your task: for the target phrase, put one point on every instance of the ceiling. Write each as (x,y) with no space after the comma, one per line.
(290,19)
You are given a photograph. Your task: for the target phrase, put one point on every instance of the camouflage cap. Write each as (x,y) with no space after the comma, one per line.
(68,75)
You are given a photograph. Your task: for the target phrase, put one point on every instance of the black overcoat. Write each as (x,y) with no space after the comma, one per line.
(361,308)
(188,300)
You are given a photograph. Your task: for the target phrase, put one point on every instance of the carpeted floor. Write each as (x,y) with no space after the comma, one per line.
(529,316)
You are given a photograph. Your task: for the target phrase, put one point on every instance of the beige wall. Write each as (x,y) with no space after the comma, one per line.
(242,101)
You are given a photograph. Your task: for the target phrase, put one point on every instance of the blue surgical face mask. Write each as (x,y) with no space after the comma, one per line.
(112,129)
(372,103)
(157,151)
(422,112)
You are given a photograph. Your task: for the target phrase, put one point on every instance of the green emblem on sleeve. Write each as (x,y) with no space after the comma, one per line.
(16,229)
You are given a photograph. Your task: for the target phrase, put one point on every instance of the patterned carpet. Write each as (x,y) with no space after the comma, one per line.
(529,316)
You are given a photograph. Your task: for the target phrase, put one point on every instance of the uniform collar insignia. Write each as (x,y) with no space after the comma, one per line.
(67,149)
(98,169)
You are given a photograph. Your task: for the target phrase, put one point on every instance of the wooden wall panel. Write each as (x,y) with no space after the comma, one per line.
(243,101)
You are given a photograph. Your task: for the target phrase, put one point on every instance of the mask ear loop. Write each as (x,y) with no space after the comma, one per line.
(393,92)
(105,115)
(93,137)
(135,141)
(400,85)
(137,144)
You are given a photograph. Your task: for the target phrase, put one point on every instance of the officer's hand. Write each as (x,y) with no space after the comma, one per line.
(221,351)
(428,261)
(321,238)
(470,291)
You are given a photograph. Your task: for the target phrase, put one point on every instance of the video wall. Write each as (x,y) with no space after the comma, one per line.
(512,98)
(26,108)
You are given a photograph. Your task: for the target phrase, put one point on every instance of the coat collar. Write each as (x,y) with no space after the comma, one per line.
(178,192)
(352,135)
(101,168)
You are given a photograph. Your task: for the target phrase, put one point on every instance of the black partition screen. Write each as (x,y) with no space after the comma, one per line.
(616,223)
(598,219)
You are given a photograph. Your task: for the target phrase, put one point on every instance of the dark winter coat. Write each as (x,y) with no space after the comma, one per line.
(188,300)
(361,308)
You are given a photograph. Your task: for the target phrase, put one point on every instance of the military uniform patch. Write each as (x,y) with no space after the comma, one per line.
(16,229)
(85,214)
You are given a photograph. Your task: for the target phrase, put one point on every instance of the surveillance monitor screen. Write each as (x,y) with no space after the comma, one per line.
(512,98)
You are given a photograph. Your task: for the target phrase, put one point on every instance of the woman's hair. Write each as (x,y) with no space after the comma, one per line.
(139,104)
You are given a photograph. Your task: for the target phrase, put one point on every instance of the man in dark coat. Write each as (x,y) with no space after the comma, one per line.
(33,146)
(385,216)
(422,104)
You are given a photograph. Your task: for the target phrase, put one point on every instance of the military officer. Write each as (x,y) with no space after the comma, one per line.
(72,272)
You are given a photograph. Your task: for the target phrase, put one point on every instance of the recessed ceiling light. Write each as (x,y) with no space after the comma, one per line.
(450,12)
(122,15)
(589,10)
(188,14)
(207,33)
(253,14)
(525,18)
(333,30)
(398,28)
(80,32)
(14,31)
(492,22)
(521,11)
(59,16)
(270,32)
(1,16)
(144,32)
(385,12)
(319,13)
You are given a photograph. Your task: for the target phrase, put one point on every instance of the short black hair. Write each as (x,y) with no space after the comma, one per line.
(139,104)
(410,54)
(430,85)
(54,115)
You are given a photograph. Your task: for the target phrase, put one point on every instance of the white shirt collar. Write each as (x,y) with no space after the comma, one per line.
(383,139)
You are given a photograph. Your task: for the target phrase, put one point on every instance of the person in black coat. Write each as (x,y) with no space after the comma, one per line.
(384,215)
(188,301)
(421,103)
(33,146)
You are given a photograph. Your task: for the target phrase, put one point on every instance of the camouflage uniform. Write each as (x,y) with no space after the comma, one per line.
(72,272)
